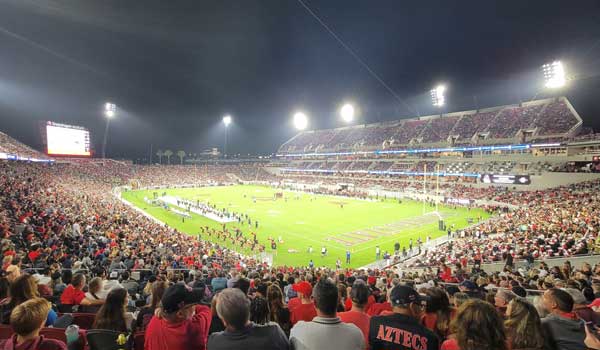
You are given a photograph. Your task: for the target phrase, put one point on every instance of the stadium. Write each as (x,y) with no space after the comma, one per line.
(481,215)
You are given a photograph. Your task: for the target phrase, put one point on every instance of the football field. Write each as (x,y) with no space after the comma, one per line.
(305,220)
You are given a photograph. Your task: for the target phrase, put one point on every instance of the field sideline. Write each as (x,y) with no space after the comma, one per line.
(304,220)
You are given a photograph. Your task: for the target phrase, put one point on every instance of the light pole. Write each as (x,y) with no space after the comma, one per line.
(226,121)
(110,110)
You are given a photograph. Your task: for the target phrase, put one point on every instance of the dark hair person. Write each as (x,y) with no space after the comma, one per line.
(259,310)
(278,312)
(523,325)
(112,315)
(438,313)
(478,326)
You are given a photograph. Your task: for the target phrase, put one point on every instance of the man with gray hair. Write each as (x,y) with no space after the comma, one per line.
(326,331)
(233,308)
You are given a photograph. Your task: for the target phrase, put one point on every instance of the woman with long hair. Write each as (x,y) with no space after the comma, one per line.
(523,325)
(478,326)
(22,289)
(259,310)
(342,296)
(438,312)
(278,312)
(112,314)
(146,313)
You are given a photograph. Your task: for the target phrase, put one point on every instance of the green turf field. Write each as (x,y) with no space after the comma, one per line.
(312,220)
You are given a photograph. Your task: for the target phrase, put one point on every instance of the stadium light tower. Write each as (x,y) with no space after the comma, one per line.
(438,96)
(300,121)
(110,110)
(554,74)
(226,121)
(347,113)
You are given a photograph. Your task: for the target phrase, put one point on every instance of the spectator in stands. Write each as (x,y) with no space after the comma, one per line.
(359,294)
(404,323)
(523,326)
(146,313)
(459,299)
(22,289)
(74,295)
(278,312)
(233,308)
(220,282)
(438,313)
(326,330)
(563,330)
(181,323)
(112,314)
(128,283)
(27,319)
(501,300)
(305,310)
(94,292)
(581,308)
(259,310)
(478,326)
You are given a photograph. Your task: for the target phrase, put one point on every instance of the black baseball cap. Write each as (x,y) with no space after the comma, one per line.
(403,295)
(178,296)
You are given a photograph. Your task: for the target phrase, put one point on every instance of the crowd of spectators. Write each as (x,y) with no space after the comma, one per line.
(550,118)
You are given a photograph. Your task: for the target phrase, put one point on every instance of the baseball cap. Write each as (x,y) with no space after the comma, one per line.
(178,296)
(303,287)
(402,295)
(468,284)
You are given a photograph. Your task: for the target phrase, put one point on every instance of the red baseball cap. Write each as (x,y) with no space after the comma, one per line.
(303,287)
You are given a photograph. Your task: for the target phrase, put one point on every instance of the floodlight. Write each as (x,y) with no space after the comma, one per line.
(227,120)
(347,112)
(437,95)
(300,121)
(554,74)
(110,109)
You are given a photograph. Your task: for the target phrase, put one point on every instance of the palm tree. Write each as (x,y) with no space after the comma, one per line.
(160,154)
(181,154)
(168,153)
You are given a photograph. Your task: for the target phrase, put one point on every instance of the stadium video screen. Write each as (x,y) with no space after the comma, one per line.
(67,140)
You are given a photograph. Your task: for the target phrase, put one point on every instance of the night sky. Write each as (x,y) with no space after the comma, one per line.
(174,68)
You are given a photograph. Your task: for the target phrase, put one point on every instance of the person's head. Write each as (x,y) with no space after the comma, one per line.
(29,317)
(275,296)
(259,310)
(95,285)
(78,281)
(242,284)
(479,326)
(359,294)
(557,300)
(538,303)
(23,288)
(12,273)
(523,325)
(233,308)
(112,313)
(304,290)
(326,297)
(460,298)
(178,302)
(503,297)
(405,300)
(157,292)
(577,295)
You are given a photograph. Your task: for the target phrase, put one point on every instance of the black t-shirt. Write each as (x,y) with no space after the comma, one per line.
(400,332)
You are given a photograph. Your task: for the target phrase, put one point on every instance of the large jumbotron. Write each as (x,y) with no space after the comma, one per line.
(299,175)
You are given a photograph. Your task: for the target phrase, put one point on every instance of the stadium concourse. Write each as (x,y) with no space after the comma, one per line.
(69,239)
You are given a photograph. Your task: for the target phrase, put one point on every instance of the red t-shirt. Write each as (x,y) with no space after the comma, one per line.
(71,296)
(450,344)
(359,319)
(303,312)
(377,308)
(186,335)
(293,303)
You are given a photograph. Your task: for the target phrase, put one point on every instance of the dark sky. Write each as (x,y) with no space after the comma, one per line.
(175,68)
